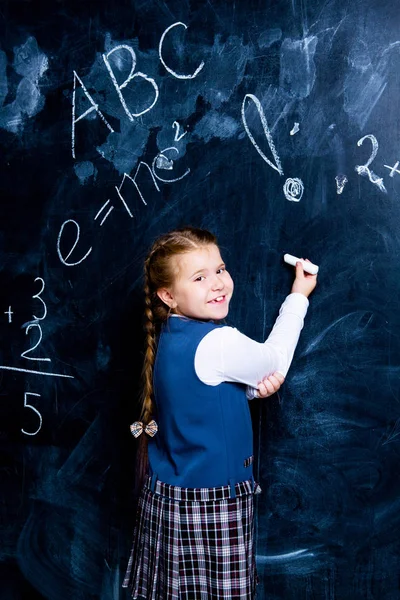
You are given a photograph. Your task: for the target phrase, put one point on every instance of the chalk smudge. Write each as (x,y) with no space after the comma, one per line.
(31,64)
(297,74)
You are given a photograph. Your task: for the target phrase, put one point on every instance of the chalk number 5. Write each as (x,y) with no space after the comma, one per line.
(26,405)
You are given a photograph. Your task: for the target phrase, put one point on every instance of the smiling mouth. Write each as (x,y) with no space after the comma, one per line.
(218,300)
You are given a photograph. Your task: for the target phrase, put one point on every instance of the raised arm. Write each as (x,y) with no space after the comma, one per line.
(226,354)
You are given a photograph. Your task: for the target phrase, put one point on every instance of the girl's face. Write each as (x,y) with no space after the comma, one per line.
(202,288)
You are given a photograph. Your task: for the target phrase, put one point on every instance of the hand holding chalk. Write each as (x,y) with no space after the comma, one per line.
(306,275)
(308,266)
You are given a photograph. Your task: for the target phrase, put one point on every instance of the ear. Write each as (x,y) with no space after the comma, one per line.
(166,297)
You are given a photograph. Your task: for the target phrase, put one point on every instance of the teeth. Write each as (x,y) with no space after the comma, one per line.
(218,299)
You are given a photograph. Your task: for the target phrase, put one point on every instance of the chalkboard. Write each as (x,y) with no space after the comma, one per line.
(273,124)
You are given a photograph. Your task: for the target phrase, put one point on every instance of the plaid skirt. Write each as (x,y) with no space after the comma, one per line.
(193,544)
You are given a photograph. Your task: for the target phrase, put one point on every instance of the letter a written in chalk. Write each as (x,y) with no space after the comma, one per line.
(93,107)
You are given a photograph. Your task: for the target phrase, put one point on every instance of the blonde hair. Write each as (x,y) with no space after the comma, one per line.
(159,273)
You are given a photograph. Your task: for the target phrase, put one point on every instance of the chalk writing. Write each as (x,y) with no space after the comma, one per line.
(162,162)
(393,169)
(160,47)
(126,177)
(36,324)
(119,87)
(130,77)
(27,354)
(127,80)
(178,137)
(34,372)
(341,181)
(9,312)
(26,405)
(162,155)
(296,554)
(64,260)
(107,213)
(24,354)
(277,166)
(93,107)
(364,169)
(41,300)
(293,189)
(133,179)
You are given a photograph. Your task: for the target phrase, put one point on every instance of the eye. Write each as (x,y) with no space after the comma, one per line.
(222,269)
(199,277)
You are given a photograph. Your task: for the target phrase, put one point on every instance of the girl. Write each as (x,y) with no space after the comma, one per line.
(193,537)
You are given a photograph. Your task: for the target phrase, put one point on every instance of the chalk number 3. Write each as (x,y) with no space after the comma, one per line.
(31,325)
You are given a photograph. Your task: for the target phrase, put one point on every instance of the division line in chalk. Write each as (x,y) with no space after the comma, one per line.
(35,372)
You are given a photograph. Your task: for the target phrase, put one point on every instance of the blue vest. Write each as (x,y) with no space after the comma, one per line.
(205,436)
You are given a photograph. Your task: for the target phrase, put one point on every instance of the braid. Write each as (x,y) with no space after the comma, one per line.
(150,353)
(142,459)
(158,273)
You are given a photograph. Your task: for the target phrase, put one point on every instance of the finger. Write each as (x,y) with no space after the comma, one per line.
(275,382)
(279,376)
(262,390)
(270,385)
(309,275)
(267,387)
(299,269)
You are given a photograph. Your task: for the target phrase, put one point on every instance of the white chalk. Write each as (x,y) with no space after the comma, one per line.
(307,266)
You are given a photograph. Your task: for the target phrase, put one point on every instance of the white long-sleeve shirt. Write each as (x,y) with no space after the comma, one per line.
(226,354)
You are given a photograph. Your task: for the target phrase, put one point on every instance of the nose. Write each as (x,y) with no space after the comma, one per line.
(217,284)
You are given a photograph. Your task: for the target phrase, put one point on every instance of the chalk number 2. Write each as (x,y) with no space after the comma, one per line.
(364,169)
